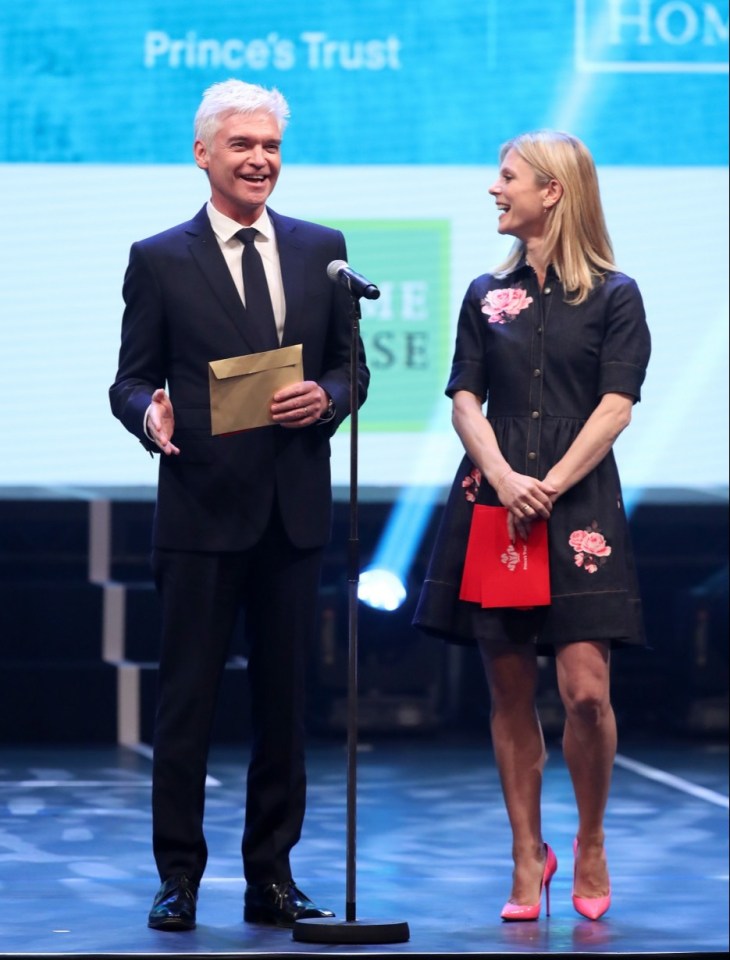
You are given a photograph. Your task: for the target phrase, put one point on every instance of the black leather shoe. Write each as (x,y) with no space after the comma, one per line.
(174,905)
(280,904)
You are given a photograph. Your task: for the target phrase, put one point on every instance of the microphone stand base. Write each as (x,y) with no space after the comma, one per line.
(332,930)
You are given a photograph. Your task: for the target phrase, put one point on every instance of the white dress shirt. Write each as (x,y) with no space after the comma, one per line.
(231,247)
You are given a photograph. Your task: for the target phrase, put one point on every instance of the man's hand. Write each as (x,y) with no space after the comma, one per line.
(161,422)
(299,405)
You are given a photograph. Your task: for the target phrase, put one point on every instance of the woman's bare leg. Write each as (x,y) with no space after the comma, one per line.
(519,750)
(589,748)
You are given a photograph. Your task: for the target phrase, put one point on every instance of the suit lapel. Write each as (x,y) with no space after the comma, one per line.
(290,247)
(206,253)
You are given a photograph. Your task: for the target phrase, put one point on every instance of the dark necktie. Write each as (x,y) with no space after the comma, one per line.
(256,291)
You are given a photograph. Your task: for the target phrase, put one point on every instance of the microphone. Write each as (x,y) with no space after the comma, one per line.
(340,272)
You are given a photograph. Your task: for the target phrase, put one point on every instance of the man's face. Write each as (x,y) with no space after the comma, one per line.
(243,161)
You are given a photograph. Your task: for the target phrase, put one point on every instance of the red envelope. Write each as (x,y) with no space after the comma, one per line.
(499,573)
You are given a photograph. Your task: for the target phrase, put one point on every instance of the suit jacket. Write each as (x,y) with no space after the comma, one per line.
(182,310)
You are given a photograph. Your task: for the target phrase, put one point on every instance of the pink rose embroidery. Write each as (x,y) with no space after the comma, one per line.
(591,549)
(503,305)
(471,484)
(595,543)
(576,539)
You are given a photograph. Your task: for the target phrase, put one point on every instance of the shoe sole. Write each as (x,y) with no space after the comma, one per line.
(172,925)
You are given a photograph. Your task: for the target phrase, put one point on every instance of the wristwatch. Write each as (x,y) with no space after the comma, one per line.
(329,412)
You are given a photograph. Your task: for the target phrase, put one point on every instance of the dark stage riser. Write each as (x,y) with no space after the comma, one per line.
(79,627)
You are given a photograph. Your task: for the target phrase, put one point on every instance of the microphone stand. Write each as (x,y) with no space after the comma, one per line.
(332,929)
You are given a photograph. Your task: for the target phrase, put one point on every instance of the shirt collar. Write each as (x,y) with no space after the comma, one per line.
(523,267)
(226,229)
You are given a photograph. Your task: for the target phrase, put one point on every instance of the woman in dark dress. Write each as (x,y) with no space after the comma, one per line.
(555,342)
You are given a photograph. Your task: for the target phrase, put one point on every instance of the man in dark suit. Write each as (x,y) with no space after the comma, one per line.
(240,520)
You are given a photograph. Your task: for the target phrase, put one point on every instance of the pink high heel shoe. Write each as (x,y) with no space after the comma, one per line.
(531,911)
(589,907)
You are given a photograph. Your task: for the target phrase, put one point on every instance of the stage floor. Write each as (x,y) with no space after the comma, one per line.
(77,876)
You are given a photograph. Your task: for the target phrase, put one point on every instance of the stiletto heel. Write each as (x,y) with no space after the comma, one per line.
(531,911)
(592,908)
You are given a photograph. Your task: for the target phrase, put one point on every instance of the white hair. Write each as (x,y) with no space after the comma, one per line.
(235,96)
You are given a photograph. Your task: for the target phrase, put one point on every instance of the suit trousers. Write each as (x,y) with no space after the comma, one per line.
(277,587)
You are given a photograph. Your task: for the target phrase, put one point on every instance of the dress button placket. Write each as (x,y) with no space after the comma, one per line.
(535,391)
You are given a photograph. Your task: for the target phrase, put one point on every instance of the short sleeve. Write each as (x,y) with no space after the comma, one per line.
(627,343)
(469,367)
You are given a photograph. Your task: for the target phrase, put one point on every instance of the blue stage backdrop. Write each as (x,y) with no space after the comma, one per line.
(398,112)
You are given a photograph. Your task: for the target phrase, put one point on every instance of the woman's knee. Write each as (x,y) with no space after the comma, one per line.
(584,681)
(588,706)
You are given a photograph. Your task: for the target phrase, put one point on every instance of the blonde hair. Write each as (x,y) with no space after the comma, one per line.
(576,240)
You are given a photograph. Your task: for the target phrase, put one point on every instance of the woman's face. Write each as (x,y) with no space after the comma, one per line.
(521,201)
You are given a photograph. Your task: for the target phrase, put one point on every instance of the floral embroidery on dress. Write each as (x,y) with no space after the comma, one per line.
(591,549)
(471,484)
(502,306)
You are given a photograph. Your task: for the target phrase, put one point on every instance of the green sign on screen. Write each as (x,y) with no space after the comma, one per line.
(406,331)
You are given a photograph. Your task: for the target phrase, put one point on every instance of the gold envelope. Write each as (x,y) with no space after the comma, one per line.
(241,388)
